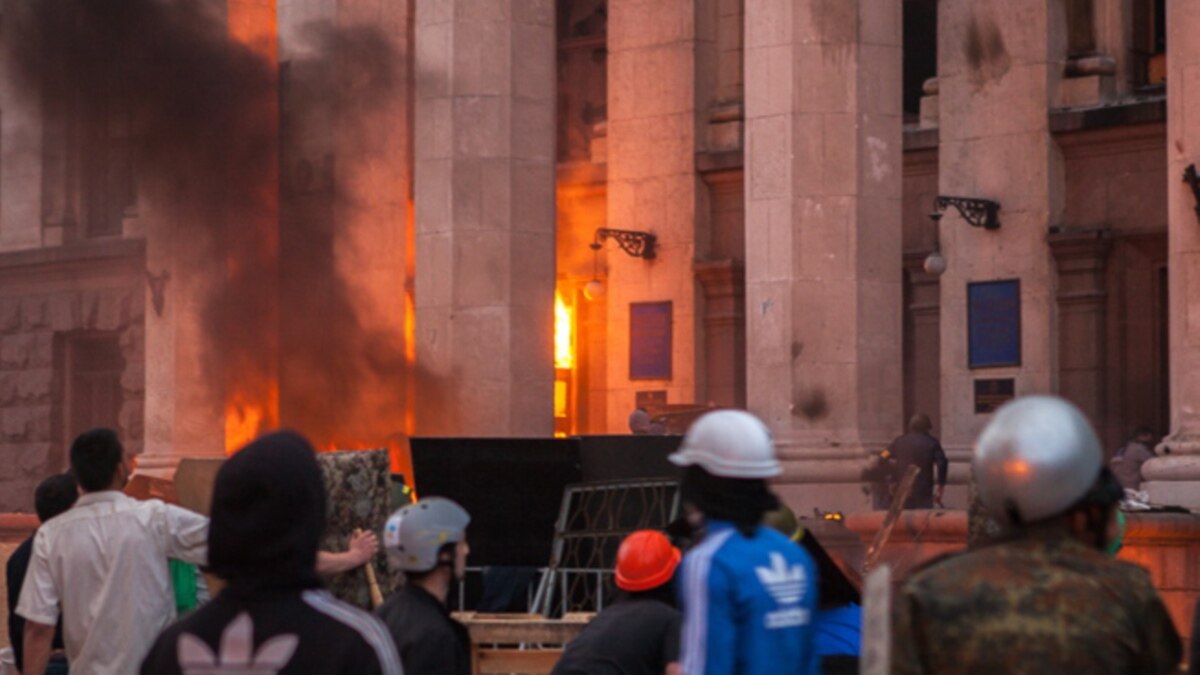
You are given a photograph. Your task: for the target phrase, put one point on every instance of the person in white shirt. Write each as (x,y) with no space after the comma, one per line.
(104,565)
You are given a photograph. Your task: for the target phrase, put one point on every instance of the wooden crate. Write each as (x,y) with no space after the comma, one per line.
(525,644)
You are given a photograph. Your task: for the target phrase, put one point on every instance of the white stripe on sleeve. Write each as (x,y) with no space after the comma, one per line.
(370,628)
(695,619)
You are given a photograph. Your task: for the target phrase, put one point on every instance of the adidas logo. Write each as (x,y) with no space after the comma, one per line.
(237,655)
(786,584)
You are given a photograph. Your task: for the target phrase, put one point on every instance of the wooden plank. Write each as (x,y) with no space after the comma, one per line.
(889,522)
(522,628)
(877,623)
(528,661)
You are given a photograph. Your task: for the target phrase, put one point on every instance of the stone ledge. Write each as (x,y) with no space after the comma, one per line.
(1137,111)
(15,527)
(89,250)
(925,138)
(726,160)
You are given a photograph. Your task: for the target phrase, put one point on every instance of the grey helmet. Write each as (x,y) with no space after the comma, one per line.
(1036,459)
(416,533)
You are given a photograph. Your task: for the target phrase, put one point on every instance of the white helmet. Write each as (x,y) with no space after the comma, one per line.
(1036,459)
(730,444)
(416,533)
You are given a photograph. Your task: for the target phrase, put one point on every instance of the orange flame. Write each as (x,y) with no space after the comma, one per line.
(243,423)
(564,334)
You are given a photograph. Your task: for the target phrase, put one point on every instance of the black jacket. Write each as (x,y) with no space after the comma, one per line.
(18,565)
(924,452)
(634,636)
(268,509)
(429,640)
(293,632)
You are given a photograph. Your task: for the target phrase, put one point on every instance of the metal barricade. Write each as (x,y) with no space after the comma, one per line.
(592,521)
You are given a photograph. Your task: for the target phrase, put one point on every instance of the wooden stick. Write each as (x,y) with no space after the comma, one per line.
(889,522)
(372,582)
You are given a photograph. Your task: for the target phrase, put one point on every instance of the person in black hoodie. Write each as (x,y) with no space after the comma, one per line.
(268,511)
(428,542)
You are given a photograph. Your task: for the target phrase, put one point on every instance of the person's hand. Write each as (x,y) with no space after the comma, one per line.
(363,546)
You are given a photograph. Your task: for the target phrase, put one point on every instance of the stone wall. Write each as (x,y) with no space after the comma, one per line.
(58,296)
(14,528)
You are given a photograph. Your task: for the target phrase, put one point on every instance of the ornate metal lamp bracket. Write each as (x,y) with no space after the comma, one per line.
(1193,179)
(636,244)
(983,213)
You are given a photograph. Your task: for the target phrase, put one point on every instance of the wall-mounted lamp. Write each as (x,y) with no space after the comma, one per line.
(158,289)
(636,244)
(935,264)
(1191,178)
(983,213)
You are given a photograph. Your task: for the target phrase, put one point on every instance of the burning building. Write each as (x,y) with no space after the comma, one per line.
(367,219)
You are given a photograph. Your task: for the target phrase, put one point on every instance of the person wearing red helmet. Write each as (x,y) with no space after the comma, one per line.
(639,633)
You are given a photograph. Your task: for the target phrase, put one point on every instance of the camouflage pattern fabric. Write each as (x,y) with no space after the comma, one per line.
(982,528)
(1040,604)
(358,485)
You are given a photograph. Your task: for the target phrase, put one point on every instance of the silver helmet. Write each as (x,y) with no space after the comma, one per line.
(1036,459)
(416,533)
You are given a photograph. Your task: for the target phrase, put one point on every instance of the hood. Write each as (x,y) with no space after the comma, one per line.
(268,513)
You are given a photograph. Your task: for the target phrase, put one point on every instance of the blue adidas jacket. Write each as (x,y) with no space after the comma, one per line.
(748,604)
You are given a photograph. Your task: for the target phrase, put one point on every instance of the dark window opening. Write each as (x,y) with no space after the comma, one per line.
(87,177)
(88,368)
(920,52)
(1150,41)
(582,75)
(1081,35)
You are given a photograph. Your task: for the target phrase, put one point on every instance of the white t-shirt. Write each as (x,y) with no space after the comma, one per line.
(104,562)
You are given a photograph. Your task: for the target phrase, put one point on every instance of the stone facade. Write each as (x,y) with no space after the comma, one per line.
(91,293)
(786,155)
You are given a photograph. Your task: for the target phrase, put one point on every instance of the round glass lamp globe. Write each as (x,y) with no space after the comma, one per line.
(935,264)
(593,289)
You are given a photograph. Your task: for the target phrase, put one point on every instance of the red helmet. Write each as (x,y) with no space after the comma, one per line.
(645,560)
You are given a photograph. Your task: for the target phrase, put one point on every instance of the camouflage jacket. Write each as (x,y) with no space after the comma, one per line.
(1044,603)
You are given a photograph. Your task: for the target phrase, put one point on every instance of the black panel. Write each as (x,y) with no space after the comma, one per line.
(512,488)
(615,458)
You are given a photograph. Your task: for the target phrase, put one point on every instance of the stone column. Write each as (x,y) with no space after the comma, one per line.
(484,187)
(652,186)
(999,64)
(1175,479)
(823,245)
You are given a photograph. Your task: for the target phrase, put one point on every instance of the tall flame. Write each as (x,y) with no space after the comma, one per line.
(564,328)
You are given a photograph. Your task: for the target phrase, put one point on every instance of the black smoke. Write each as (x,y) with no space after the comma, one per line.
(201,151)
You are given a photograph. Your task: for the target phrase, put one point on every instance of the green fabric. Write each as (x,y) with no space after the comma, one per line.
(1114,546)
(183,580)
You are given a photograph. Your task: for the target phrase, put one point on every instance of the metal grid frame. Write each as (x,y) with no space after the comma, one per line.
(592,521)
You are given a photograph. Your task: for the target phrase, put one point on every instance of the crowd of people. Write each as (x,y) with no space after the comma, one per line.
(754,593)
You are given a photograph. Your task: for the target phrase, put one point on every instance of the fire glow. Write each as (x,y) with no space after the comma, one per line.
(245,419)
(564,334)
